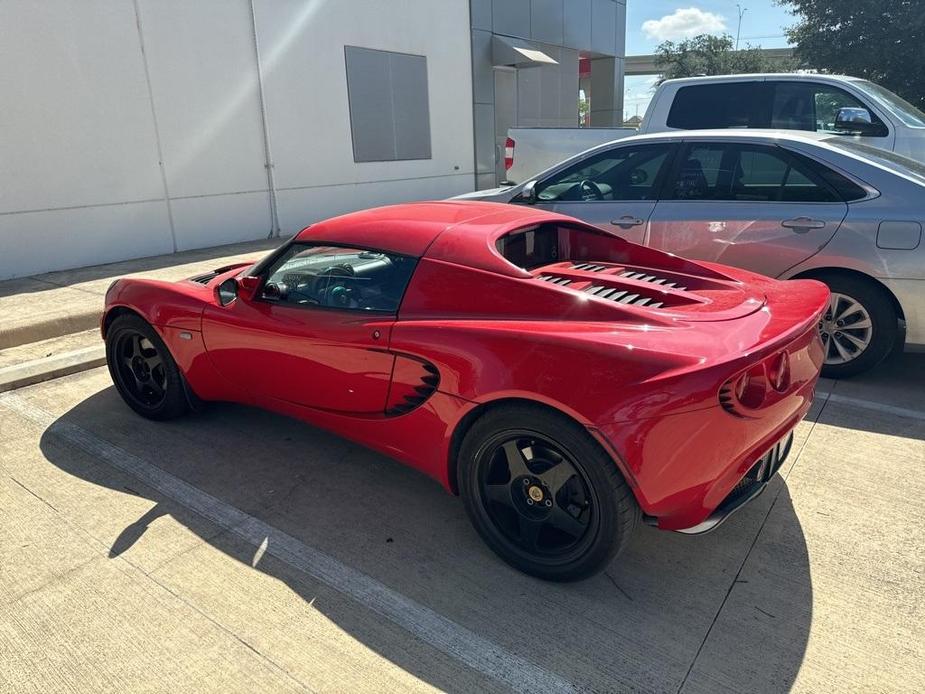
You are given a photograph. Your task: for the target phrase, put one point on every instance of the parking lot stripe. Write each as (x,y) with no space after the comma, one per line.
(438,631)
(876,406)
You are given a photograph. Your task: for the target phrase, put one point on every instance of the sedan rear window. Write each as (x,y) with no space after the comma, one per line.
(888,160)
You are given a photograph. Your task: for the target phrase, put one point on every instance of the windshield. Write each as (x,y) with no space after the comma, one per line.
(889,160)
(898,106)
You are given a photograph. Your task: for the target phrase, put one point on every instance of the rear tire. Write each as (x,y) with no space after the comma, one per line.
(543,494)
(143,370)
(850,349)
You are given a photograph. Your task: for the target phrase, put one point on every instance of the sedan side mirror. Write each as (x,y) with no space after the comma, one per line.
(528,193)
(852,119)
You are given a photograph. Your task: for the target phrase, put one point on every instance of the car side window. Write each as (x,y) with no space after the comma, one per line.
(355,279)
(620,173)
(812,106)
(747,173)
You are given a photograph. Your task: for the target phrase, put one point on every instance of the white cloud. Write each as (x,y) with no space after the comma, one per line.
(684,23)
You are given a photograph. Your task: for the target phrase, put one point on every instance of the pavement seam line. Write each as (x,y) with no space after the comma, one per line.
(735,579)
(428,626)
(92,541)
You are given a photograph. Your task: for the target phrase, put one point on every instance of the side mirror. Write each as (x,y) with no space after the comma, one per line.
(528,193)
(852,119)
(233,287)
(247,286)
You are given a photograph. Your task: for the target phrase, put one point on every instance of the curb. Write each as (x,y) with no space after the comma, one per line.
(38,370)
(47,328)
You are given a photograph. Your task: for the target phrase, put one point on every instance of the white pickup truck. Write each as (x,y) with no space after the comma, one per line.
(785,101)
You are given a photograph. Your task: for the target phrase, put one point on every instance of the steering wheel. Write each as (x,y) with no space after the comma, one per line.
(330,294)
(589,187)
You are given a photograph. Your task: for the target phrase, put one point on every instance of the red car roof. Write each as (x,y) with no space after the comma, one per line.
(466,229)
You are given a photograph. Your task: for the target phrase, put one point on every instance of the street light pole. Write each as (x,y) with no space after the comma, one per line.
(742,11)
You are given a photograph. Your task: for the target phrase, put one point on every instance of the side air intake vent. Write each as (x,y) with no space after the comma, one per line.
(412,383)
(623,296)
(654,279)
(561,281)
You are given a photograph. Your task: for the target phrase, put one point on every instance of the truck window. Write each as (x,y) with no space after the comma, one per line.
(812,106)
(723,105)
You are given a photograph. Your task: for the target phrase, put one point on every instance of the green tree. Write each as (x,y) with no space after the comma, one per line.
(880,40)
(712,55)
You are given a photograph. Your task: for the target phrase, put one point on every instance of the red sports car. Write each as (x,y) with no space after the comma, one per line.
(565,382)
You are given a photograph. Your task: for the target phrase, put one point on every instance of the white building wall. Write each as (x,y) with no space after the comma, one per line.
(125,134)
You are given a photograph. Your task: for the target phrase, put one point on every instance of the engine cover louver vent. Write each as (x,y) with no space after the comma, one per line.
(623,296)
(561,281)
(643,277)
(589,267)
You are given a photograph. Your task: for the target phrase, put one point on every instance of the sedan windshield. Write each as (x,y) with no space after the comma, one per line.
(898,106)
(889,160)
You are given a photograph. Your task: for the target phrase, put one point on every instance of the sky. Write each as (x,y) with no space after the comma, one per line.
(649,22)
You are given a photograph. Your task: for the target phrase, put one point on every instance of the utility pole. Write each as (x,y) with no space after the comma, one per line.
(742,11)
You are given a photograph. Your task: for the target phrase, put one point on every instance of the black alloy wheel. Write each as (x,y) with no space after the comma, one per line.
(143,370)
(535,494)
(543,494)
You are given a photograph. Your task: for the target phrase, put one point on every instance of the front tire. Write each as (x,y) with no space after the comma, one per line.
(143,370)
(859,328)
(543,494)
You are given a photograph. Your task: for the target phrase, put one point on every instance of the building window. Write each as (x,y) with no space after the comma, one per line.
(389,114)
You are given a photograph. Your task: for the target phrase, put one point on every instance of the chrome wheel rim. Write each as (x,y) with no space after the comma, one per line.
(846,329)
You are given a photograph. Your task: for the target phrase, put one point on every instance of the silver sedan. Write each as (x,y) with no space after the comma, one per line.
(786,205)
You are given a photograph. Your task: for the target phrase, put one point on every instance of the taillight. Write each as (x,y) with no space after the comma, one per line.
(745,392)
(508,154)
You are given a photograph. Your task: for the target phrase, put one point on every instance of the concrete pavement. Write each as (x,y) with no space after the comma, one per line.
(58,303)
(236,550)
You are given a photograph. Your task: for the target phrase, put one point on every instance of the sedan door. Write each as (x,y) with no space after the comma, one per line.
(615,189)
(753,206)
(317,334)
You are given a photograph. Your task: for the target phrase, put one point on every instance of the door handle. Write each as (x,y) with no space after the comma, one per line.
(803,224)
(627,221)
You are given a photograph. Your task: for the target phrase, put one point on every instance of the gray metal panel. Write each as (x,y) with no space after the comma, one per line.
(568,87)
(389,111)
(511,17)
(620,48)
(483,81)
(578,24)
(480,14)
(547,18)
(484,117)
(371,122)
(411,109)
(485,180)
(603,26)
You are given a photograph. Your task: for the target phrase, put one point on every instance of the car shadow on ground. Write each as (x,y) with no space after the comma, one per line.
(727,610)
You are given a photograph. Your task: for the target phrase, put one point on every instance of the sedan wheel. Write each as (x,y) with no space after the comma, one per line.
(859,326)
(846,329)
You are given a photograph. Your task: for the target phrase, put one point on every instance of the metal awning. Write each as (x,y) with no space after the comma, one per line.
(508,52)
